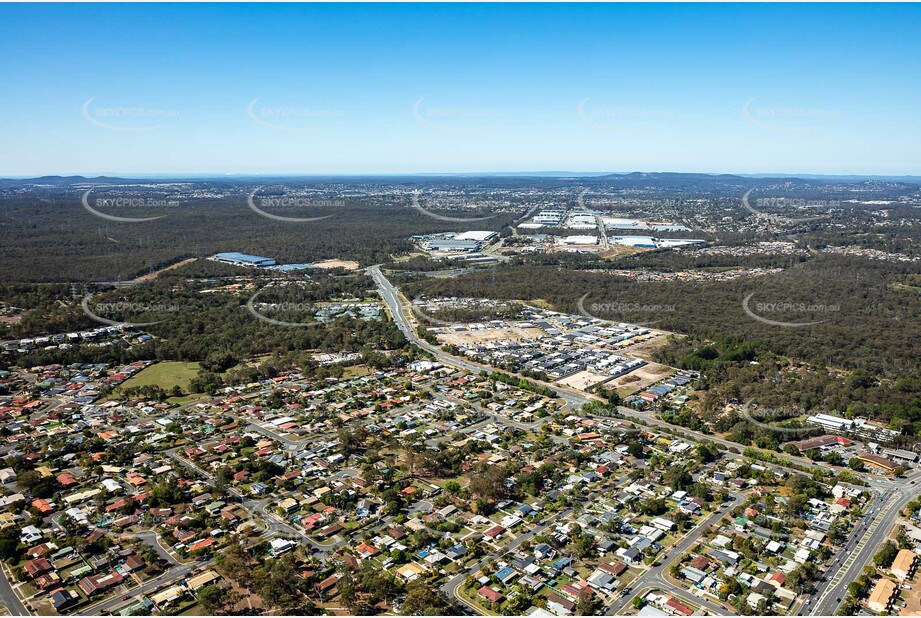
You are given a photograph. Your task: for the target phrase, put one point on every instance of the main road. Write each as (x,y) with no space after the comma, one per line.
(391,296)
(9,598)
(574,398)
(829,595)
(859,550)
(654,577)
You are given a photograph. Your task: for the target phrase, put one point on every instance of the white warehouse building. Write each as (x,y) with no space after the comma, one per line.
(477,235)
(580,240)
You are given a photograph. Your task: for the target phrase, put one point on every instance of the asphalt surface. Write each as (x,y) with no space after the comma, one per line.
(115,602)
(856,553)
(825,600)
(859,550)
(391,296)
(9,598)
(655,576)
(450,587)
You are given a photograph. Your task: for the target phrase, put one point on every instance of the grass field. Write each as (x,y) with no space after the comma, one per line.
(166,375)
(355,371)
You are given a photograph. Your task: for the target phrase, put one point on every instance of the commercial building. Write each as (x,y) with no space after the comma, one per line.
(644,242)
(880,463)
(831,422)
(581,221)
(671,243)
(550,218)
(821,442)
(616,223)
(904,564)
(483,236)
(901,455)
(453,244)
(882,594)
(580,240)
(243,259)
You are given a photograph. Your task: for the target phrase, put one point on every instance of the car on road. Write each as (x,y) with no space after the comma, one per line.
(126,597)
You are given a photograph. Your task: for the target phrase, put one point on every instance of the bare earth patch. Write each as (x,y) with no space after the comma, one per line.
(346,264)
(648,374)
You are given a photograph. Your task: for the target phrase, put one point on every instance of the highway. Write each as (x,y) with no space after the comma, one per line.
(857,552)
(647,416)
(391,296)
(573,398)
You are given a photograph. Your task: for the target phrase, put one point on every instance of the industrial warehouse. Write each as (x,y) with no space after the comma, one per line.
(453,242)
(243,259)
(255,261)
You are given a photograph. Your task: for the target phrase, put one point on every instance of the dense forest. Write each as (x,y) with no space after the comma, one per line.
(862,355)
(214,328)
(863,358)
(56,240)
(773,388)
(876,326)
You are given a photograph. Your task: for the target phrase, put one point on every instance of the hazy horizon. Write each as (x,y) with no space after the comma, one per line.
(460,89)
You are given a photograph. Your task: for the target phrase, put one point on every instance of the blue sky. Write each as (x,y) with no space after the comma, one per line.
(427,88)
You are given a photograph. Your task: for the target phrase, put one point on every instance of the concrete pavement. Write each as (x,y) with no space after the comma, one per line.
(9,598)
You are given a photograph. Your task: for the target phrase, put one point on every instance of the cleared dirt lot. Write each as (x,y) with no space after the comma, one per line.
(648,374)
(487,335)
(582,380)
(337,264)
(645,349)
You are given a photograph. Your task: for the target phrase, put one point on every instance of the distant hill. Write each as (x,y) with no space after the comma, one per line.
(662,180)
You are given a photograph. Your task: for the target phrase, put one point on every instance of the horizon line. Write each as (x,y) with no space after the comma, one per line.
(522,174)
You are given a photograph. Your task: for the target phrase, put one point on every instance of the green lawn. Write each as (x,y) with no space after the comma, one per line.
(166,375)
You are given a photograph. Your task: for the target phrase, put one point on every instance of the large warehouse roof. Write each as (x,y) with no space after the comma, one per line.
(243,258)
(479,235)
